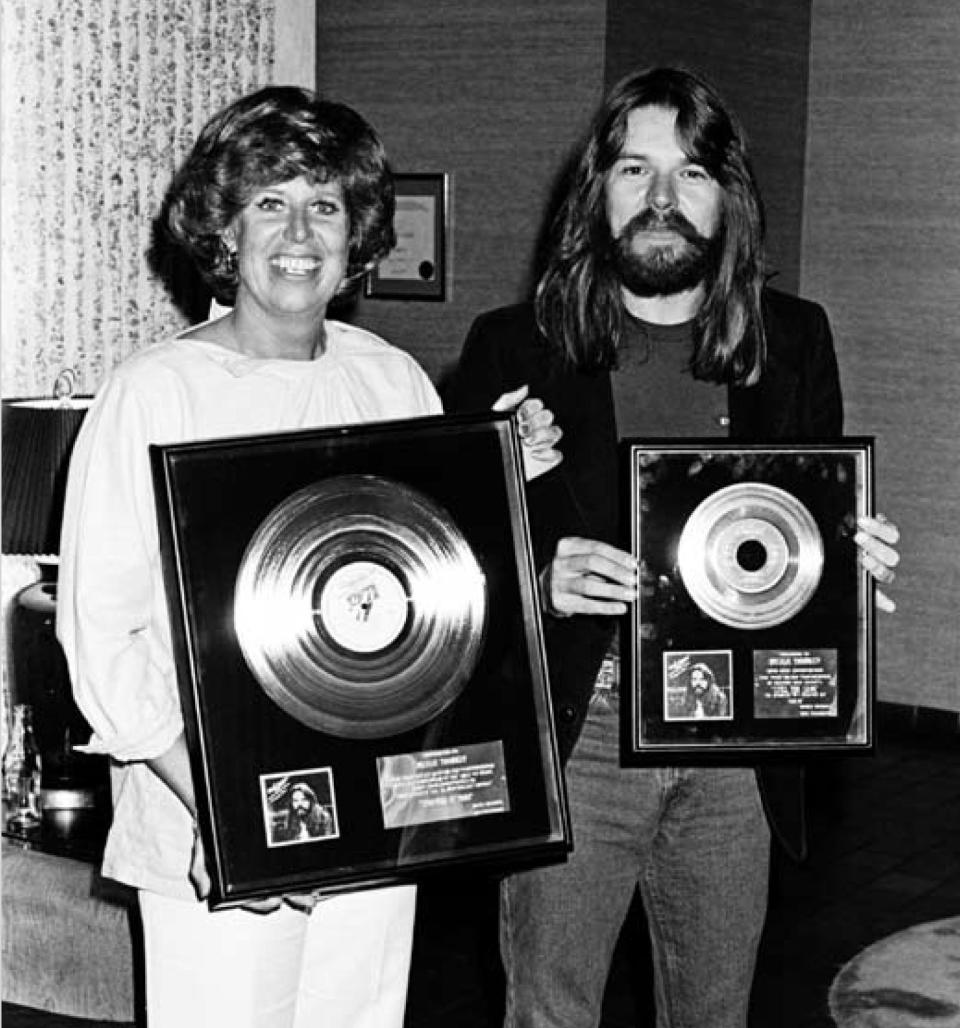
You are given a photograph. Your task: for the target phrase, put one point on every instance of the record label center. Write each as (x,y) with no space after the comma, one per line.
(363,606)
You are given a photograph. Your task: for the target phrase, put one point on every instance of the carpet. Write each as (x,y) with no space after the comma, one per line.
(908,980)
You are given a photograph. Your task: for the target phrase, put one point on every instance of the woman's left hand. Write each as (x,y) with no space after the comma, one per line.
(538,434)
(877,538)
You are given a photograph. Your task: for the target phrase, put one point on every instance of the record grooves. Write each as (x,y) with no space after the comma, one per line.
(360,607)
(751,555)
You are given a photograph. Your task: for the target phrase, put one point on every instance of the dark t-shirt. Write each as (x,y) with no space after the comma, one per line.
(654,393)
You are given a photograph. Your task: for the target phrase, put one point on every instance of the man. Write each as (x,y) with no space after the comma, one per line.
(307,818)
(704,698)
(650,320)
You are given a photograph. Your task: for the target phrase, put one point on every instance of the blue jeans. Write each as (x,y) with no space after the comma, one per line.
(695,841)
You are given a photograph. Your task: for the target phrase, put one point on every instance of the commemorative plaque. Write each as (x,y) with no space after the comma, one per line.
(752,637)
(359,654)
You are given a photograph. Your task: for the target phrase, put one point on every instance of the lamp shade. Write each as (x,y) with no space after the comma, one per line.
(38,436)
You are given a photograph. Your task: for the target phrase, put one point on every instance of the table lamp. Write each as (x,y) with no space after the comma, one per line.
(38,436)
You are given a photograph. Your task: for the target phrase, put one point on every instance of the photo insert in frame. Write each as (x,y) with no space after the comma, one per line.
(299,807)
(696,685)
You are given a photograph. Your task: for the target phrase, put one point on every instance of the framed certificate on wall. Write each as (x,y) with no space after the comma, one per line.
(416,269)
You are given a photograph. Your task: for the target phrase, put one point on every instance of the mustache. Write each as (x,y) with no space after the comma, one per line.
(650,220)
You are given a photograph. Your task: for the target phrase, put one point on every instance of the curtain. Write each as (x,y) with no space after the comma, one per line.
(102,99)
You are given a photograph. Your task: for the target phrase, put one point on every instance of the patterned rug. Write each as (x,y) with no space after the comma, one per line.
(908,980)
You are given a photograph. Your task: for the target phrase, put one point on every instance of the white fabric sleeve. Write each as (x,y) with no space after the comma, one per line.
(427,398)
(111,610)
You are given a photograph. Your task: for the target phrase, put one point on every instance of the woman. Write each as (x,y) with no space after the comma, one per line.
(284,199)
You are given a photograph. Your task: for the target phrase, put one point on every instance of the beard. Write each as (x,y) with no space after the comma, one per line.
(300,810)
(663,270)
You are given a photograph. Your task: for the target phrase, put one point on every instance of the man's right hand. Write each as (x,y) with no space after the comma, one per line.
(587,576)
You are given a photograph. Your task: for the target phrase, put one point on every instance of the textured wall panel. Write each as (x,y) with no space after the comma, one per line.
(882,251)
(494,94)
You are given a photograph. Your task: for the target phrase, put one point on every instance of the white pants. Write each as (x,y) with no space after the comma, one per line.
(345,965)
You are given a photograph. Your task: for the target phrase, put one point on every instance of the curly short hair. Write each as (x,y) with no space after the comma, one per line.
(274,135)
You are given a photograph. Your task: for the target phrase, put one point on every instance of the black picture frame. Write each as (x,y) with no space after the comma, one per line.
(476,784)
(416,269)
(753,636)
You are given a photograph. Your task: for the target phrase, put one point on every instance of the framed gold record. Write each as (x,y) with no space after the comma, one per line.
(752,638)
(359,654)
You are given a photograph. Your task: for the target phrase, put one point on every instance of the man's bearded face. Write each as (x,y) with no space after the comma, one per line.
(699,682)
(663,208)
(651,268)
(300,804)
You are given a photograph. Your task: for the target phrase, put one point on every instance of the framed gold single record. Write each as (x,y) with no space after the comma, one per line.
(753,635)
(359,653)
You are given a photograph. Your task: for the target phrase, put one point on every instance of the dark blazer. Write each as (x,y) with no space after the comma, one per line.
(797,397)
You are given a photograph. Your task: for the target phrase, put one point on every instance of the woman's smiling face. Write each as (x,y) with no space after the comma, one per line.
(292,241)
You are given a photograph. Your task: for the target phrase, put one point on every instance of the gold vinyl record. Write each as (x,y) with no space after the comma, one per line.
(750,555)
(360,607)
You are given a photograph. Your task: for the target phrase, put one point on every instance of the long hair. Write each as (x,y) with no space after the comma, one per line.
(274,135)
(316,816)
(579,305)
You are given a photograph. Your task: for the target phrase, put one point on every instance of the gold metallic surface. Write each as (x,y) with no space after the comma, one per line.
(360,607)
(750,555)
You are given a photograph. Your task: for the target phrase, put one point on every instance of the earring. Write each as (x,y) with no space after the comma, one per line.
(228,258)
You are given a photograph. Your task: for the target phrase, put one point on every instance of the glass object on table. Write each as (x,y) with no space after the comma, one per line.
(21,771)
